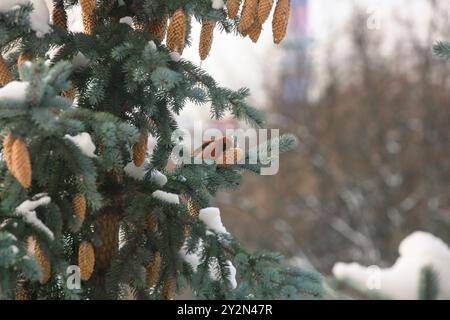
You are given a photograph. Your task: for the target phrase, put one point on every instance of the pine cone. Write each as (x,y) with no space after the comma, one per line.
(255,31)
(233,8)
(264,8)
(7,152)
(158,28)
(168,286)
(21,166)
(150,222)
(86,260)
(231,156)
(176,32)
(5,74)
(21,292)
(70,93)
(140,149)
(79,206)
(153,270)
(248,15)
(87,12)
(22,58)
(43,261)
(280,20)
(206,38)
(59,16)
(138,25)
(107,227)
(194,210)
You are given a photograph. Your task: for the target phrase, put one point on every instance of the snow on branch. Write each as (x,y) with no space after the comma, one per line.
(27,210)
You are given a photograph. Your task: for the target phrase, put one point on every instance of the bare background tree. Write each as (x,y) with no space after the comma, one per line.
(373,164)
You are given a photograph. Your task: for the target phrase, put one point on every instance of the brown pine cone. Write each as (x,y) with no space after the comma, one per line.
(176,32)
(140,149)
(86,260)
(158,28)
(70,93)
(153,270)
(264,8)
(107,227)
(5,73)
(79,206)
(233,8)
(59,16)
(255,31)
(194,210)
(21,292)
(43,261)
(138,25)
(248,15)
(21,165)
(206,38)
(168,288)
(87,13)
(280,20)
(150,222)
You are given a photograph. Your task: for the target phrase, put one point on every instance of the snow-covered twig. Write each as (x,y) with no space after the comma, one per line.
(27,210)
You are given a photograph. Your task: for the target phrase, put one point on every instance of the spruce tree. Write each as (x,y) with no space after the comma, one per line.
(78,183)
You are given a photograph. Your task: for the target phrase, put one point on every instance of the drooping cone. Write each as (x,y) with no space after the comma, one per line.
(5,74)
(86,260)
(107,227)
(153,271)
(231,156)
(264,8)
(193,209)
(206,38)
(248,15)
(255,31)
(138,25)
(176,32)
(21,166)
(233,8)
(42,260)
(150,222)
(211,150)
(167,289)
(87,13)
(7,152)
(70,93)
(21,292)
(280,20)
(24,56)
(59,16)
(79,207)
(140,149)
(158,28)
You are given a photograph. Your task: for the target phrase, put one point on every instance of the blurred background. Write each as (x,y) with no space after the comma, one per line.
(358,84)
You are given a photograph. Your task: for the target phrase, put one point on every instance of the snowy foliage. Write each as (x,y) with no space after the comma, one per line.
(27,210)
(166,196)
(217,4)
(158,177)
(194,259)
(211,217)
(401,281)
(84,142)
(39,17)
(15,90)
(135,172)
